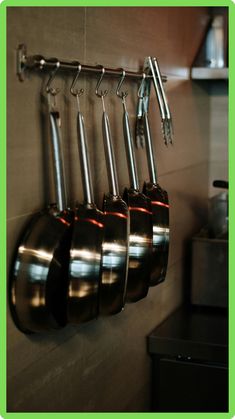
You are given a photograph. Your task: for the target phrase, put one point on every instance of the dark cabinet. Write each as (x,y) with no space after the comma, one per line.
(189,362)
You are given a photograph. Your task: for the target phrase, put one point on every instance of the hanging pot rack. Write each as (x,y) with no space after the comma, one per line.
(151,73)
(39,62)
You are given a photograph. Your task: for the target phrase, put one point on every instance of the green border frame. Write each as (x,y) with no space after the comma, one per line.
(175,3)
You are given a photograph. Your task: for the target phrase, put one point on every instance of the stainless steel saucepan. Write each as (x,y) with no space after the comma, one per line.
(140,238)
(86,247)
(40,270)
(160,205)
(116,230)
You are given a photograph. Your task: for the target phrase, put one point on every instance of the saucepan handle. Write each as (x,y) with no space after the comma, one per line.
(109,154)
(84,160)
(149,150)
(60,185)
(131,162)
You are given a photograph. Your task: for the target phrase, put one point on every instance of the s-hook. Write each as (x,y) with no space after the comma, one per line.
(52,91)
(76,92)
(102,93)
(122,95)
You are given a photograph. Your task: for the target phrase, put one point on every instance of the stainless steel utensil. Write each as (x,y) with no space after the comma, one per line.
(38,285)
(86,247)
(140,239)
(116,230)
(167,126)
(159,201)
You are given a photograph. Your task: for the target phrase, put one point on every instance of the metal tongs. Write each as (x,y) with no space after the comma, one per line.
(152,68)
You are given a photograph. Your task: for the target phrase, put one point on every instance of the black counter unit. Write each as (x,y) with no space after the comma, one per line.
(189,352)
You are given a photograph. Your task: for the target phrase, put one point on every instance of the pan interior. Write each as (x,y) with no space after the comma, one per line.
(39,273)
(160,210)
(85,264)
(114,255)
(140,244)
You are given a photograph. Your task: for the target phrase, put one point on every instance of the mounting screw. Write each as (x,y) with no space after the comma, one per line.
(21,59)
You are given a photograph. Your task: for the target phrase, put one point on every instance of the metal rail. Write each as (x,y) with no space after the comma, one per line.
(34,62)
